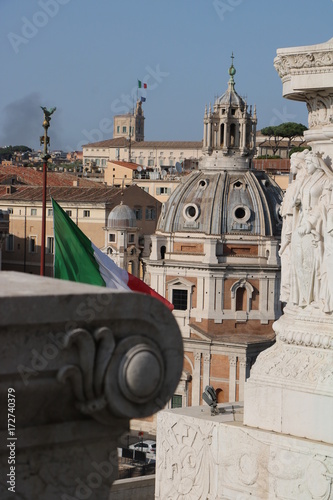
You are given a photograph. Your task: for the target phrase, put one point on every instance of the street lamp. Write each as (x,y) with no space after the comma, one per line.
(45,140)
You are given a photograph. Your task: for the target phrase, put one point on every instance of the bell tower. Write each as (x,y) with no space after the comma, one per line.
(229,129)
(139,123)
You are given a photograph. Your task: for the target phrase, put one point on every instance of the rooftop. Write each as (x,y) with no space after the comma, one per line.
(32,177)
(126,164)
(122,142)
(94,194)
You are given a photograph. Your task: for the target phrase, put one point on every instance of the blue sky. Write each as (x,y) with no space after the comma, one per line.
(85,57)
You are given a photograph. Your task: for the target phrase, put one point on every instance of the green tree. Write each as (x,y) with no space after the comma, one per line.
(7,152)
(278,133)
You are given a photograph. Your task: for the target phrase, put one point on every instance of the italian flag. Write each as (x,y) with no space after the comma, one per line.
(140,84)
(76,258)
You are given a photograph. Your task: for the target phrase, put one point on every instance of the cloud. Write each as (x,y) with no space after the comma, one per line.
(22,123)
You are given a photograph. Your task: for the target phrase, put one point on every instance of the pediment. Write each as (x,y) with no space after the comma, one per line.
(180,282)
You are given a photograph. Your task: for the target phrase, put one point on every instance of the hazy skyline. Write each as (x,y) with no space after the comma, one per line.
(85,58)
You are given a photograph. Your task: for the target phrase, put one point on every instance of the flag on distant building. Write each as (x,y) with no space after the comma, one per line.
(76,258)
(141,85)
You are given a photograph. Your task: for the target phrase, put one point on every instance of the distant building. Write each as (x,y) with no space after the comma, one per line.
(130,125)
(74,156)
(86,202)
(153,154)
(158,184)
(266,146)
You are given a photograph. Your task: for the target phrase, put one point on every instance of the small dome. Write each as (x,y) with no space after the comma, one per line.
(121,216)
(231,98)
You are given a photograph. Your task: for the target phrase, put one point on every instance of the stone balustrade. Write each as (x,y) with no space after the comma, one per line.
(77,363)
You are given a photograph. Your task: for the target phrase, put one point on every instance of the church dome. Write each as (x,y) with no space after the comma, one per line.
(226,196)
(121,216)
(224,202)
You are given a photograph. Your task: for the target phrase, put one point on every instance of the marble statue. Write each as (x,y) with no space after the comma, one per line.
(306,241)
(297,172)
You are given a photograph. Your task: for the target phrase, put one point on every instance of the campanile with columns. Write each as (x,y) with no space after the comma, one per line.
(230,128)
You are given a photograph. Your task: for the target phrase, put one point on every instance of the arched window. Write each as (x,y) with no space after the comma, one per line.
(240,299)
(241,296)
(222,135)
(220,395)
(163,250)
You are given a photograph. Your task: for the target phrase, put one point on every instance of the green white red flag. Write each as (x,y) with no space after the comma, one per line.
(76,258)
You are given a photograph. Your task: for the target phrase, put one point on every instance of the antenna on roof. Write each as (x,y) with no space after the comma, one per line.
(139,168)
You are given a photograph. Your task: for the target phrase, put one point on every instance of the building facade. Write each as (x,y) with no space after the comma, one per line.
(152,154)
(89,208)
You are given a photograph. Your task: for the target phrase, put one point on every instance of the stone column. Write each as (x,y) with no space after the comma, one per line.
(290,389)
(225,145)
(209,134)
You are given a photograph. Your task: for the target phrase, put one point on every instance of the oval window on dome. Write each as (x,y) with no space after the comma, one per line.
(241,213)
(203,183)
(191,211)
(238,185)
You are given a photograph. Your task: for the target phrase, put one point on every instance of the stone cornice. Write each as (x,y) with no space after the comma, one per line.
(305,60)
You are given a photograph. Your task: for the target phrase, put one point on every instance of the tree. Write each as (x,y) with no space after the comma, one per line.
(7,152)
(277,134)
(298,149)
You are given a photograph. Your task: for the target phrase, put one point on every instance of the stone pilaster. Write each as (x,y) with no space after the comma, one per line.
(196,379)
(232,378)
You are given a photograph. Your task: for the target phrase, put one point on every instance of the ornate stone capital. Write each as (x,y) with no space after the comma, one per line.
(232,360)
(207,357)
(302,63)
(197,356)
(305,69)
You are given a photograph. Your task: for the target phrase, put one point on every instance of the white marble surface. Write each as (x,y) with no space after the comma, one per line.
(203,457)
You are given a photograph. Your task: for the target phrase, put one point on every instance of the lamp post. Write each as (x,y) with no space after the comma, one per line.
(45,140)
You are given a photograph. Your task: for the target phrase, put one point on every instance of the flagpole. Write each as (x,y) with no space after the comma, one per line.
(44,139)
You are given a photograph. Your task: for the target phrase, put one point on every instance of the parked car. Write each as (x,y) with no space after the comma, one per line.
(148,446)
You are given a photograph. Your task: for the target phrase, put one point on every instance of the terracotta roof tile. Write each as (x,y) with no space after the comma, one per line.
(126,164)
(32,177)
(63,193)
(109,143)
